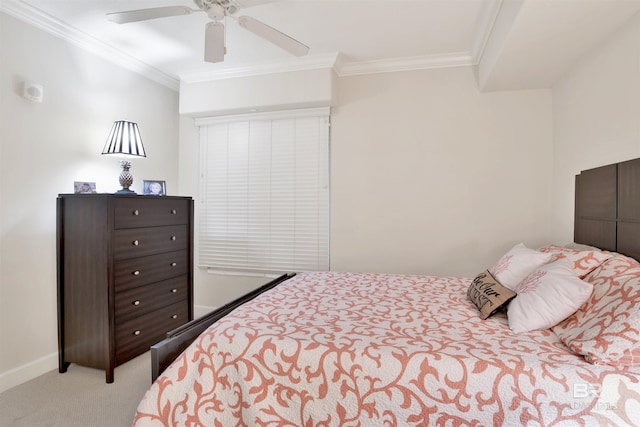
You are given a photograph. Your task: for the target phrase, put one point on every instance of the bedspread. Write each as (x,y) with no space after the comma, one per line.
(355,349)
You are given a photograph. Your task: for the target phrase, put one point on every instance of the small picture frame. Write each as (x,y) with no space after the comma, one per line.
(154,187)
(84,187)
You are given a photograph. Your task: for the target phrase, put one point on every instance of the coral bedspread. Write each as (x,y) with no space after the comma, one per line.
(346,349)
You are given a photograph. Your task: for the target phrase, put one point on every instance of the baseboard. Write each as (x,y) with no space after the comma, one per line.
(27,372)
(201,310)
(34,369)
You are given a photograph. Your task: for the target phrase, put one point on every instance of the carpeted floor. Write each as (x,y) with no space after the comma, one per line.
(80,397)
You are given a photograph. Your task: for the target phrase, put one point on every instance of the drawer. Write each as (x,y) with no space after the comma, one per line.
(138,301)
(136,242)
(135,336)
(149,211)
(135,272)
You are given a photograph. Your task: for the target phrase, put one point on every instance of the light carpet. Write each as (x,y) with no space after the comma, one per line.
(80,397)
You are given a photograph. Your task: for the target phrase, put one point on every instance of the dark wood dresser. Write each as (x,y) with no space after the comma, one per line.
(125,275)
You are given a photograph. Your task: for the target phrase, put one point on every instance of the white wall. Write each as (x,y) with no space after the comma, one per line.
(428,176)
(596,112)
(43,149)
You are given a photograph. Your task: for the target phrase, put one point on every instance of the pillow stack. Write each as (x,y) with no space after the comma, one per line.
(547,284)
(590,298)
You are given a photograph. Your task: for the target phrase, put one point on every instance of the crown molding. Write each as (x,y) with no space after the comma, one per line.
(405,64)
(312,62)
(487,22)
(340,65)
(49,24)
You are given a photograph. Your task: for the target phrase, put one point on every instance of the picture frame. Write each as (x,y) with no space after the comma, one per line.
(154,187)
(84,187)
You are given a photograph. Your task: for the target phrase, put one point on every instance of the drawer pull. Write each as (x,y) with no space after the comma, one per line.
(173,211)
(136,302)
(173,264)
(136,333)
(135,243)
(175,316)
(173,237)
(136,212)
(174,290)
(136,273)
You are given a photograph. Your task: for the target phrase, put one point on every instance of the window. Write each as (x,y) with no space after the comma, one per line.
(264,192)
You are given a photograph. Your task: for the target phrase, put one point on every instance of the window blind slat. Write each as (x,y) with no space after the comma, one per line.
(265,194)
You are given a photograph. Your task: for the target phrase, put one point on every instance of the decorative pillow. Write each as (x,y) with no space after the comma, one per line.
(606,329)
(547,296)
(517,264)
(584,262)
(488,294)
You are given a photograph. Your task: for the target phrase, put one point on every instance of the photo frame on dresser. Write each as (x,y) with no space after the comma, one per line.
(154,187)
(84,187)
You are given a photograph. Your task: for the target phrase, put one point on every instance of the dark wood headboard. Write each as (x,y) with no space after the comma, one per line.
(607,208)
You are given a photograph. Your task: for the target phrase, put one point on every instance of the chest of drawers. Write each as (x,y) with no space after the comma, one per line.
(125,275)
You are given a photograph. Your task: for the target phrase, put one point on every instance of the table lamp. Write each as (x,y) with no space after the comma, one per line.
(124,141)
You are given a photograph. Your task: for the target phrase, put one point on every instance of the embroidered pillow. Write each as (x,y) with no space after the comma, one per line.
(583,261)
(546,297)
(488,295)
(517,264)
(606,329)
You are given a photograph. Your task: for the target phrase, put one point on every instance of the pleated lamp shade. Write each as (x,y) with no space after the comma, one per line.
(124,140)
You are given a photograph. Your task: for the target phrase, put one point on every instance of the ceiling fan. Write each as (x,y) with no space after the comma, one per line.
(217,10)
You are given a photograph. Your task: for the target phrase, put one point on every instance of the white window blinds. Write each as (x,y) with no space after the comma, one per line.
(264,192)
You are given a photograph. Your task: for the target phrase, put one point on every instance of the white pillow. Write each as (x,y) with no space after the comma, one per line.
(517,264)
(547,296)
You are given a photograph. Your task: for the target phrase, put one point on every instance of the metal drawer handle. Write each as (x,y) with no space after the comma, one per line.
(136,212)
(135,243)
(175,316)
(136,302)
(173,211)
(173,264)
(173,237)
(136,333)
(136,273)
(174,290)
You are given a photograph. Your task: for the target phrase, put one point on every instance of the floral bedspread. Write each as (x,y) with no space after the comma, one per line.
(354,349)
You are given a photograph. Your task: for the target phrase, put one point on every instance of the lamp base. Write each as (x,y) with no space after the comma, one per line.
(126,179)
(125,191)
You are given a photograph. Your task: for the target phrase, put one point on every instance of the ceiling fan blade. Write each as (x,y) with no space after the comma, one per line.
(250,3)
(214,49)
(145,14)
(268,33)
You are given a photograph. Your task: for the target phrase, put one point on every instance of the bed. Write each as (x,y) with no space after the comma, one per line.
(507,347)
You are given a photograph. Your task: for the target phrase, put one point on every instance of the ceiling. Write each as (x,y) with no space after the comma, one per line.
(515,43)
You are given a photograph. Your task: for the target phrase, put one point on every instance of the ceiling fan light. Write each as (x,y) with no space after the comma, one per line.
(268,33)
(215,12)
(214,49)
